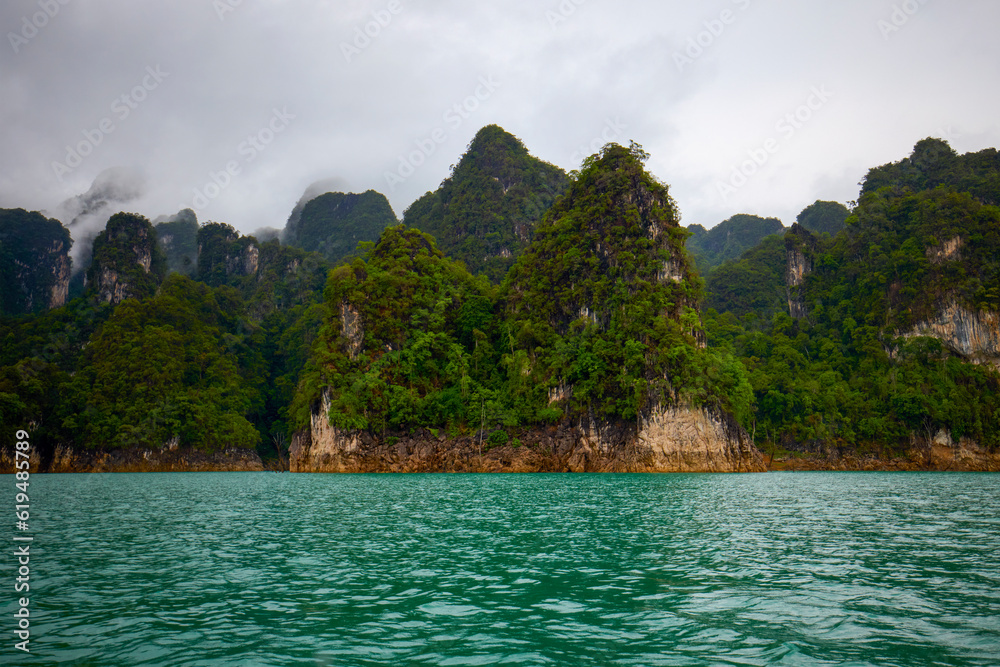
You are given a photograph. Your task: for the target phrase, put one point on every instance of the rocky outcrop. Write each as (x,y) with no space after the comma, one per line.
(950,250)
(245,263)
(672,440)
(169,459)
(673,270)
(974,335)
(685,440)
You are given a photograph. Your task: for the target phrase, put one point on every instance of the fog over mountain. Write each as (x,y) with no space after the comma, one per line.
(233,108)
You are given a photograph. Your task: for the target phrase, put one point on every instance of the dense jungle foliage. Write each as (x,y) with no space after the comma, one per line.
(594,315)
(729,239)
(596,319)
(924,234)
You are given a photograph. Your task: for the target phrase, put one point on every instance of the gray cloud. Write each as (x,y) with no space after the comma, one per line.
(192,98)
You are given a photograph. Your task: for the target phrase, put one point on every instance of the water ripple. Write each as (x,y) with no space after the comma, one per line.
(259,568)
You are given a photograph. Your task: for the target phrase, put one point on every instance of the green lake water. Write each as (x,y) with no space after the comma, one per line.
(282,569)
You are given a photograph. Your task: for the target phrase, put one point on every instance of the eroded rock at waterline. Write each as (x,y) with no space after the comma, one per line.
(674,440)
(68,459)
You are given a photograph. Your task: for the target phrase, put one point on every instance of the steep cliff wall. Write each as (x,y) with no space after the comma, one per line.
(675,440)
(973,334)
(60,266)
(799,246)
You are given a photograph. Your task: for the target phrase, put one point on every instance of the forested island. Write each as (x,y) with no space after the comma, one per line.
(518,318)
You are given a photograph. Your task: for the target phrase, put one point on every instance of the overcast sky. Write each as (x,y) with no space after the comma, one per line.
(746,106)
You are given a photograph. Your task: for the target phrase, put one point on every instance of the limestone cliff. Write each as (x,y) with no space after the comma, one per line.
(799,247)
(34,262)
(671,440)
(60,266)
(127,261)
(974,335)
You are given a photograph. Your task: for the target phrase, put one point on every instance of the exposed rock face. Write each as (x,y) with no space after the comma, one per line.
(673,270)
(676,440)
(61,266)
(352,328)
(245,263)
(798,246)
(949,250)
(110,288)
(973,334)
(684,440)
(169,459)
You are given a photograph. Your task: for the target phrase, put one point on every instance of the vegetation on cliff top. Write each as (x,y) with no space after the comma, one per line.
(178,238)
(334,223)
(729,239)
(398,347)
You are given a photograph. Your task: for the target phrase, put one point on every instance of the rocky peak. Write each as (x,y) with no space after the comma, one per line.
(486,211)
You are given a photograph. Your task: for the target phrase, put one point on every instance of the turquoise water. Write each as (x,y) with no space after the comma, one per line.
(281,569)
